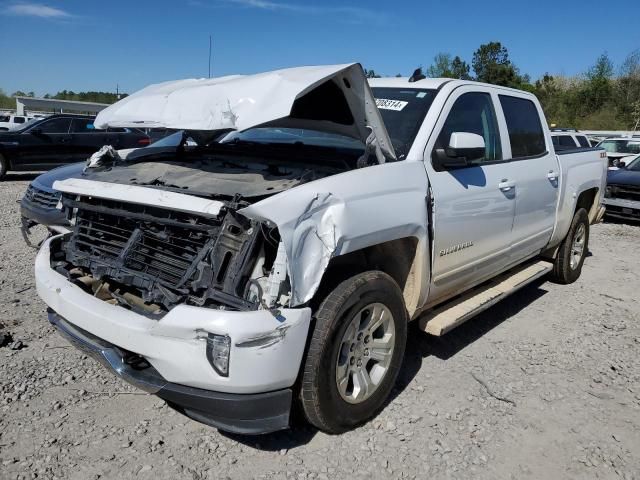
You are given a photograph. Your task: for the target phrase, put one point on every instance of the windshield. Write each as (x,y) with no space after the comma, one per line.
(403,110)
(634,164)
(621,146)
(299,136)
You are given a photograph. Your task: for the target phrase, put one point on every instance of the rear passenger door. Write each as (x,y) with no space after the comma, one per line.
(536,172)
(473,206)
(86,139)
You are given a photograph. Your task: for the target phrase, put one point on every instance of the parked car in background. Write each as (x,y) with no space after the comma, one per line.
(568,139)
(622,196)
(60,139)
(13,122)
(618,148)
(282,264)
(39,205)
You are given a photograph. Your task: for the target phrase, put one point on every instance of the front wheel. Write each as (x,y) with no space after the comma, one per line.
(355,353)
(3,166)
(573,250)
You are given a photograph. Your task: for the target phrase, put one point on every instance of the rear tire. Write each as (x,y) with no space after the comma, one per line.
(356,352)
(567,266)
(3,166)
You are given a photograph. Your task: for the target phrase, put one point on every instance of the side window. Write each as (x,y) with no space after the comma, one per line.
(556,140)
(82,126)
(567,141)
(524,127)
(583,141)
(18,119)
(473,113)
(56,125)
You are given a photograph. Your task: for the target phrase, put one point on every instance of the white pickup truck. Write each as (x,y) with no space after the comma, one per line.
(275,257)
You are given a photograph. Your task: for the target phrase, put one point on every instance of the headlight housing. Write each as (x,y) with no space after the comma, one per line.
(218,351)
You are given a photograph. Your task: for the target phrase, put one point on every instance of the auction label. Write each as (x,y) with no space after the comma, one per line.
(386,104)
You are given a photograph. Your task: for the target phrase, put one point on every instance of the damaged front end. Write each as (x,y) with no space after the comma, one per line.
(150,259)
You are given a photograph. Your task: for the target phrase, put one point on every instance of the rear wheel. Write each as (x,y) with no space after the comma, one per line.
(356,352)
(3,166)
(573,250)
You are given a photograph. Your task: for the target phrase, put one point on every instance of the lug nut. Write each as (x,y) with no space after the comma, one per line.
(359,363)
(366,339)
(360,336)
(366,352)
(352,361)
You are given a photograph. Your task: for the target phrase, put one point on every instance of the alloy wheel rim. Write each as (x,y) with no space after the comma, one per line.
(577,247)
(365,353)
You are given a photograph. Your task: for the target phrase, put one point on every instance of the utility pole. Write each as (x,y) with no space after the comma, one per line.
(209,56)
(117,91)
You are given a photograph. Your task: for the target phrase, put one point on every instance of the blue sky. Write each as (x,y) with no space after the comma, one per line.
(91,45)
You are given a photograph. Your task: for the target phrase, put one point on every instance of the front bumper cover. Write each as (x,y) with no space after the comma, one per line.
(248,414)
(622,208)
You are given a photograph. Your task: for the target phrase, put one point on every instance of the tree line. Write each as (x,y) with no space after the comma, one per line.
(602,98)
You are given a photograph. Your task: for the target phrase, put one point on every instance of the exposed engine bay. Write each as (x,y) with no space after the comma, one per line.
(149,259)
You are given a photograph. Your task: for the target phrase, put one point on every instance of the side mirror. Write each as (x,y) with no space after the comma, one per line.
(463,147)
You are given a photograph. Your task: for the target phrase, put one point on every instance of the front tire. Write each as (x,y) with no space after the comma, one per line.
(3,166)
(567,266)
(355,353)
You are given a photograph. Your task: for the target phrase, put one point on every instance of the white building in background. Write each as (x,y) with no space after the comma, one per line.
(26,105)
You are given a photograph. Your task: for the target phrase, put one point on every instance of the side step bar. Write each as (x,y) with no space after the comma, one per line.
(448,316)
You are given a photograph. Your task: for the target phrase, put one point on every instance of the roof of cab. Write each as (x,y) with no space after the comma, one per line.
(436,83)
(400,82)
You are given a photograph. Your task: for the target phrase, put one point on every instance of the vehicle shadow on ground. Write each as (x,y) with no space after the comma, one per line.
(621,221)
(419,346)
(20,177)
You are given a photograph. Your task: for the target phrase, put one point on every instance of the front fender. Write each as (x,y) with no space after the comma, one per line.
(344,213)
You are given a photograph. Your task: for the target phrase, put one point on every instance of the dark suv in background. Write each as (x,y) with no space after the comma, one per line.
(61,139)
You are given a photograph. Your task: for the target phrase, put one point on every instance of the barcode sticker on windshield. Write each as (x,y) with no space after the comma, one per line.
(386,104)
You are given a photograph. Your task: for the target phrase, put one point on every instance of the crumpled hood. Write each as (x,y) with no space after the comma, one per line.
(334,98)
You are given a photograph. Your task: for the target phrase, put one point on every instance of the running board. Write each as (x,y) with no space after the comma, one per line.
(455,312)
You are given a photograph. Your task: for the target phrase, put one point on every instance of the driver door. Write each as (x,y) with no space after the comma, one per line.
(473,205)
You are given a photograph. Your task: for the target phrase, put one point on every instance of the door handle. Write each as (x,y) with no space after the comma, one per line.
(553,175)
(66,139)
(506,185)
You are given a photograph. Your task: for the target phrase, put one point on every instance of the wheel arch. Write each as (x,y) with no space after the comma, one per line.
(403,259)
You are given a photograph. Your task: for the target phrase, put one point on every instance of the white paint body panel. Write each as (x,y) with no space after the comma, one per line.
(171,344)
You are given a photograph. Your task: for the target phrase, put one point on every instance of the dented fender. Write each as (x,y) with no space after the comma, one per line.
(344,213)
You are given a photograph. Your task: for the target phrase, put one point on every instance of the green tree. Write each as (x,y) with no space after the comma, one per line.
(491,64)
(460,69)
(441,66)
(371,74)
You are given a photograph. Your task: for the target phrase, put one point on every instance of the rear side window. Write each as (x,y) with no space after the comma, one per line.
(18,119)
(583,141)
(566,141)
(82,126)
(524,127)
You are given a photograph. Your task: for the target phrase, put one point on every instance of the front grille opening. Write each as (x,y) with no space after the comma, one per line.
(162,257)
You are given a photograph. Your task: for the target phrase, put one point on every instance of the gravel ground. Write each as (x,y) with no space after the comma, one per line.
(544,385)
